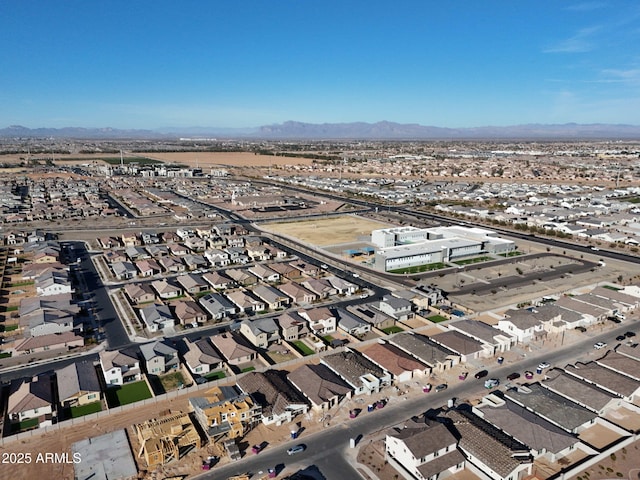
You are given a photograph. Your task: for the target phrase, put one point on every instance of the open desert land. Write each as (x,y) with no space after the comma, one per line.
(328,231)
(232,159)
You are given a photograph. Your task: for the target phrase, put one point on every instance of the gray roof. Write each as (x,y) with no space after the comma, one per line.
(348,321)
(422,348)
(156,349)
(571,303)
(555,408)
(271,391)
(318,383)
(604,378)
(485,442)
(575,389)
(479,330)
(423,439)
(260,325)
(621,364)
(457,342)
(528,428)
(77,378)
(351,366)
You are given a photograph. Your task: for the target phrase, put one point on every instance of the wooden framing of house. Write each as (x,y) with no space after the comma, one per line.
(166,438)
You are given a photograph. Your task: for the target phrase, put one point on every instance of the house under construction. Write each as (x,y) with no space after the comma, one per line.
(166,438)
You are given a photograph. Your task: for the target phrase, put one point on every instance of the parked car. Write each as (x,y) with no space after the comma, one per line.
(296,449)
(441,387)
(620,338)
(513,376)
(629,334)
(599,345)
(581,329)
(614,319)
(543,365)
(481,374)
(491,383)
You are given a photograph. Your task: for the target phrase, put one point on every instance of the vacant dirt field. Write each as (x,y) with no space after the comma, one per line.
(329,231)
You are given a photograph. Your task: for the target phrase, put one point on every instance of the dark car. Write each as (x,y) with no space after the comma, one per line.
(614,319)
(441,387)
(513,376)
(481,374)
(620,338)
(629,334)
(581,329)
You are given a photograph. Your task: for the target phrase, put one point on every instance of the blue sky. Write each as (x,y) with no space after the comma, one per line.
(235,63)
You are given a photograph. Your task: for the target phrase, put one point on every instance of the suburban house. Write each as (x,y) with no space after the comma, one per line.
(359,372)
(308,269)
(285,270)
(375,317)
(135,253)
(189,312)
(322,387)
(172,265)
(159,357)
(273,297)
(395,307)
(217,257)
(264,273)
(423,448)
(200,357)
(165,289)
(49,342)
(261,332)
(241,277)
(192,284)
(522,324)
(195,262)
(53,283)
(119,367)
(423,349)
(493,340)
(402,366)
(139,293)
(218,306)
(280,402)
(156,317)
(293,326)
(31,398)
(341,286)
(245,302)
(148,267)
(217,280)
(298,293)
(78,384)
(351,324)
(233,348)
(321,320)
(320,287)
(465,346)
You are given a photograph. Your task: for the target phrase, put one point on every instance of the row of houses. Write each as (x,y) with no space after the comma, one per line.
(509,430)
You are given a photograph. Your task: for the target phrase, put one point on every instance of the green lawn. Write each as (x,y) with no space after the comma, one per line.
(83,410)
(419,269)
(436,318)
(390,330)
(5,355)
(469,261)
(302,348)
(248,369)
(128,393)
(25,425)
(217,375)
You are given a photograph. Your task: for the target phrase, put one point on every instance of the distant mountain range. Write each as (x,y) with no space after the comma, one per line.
(356,130)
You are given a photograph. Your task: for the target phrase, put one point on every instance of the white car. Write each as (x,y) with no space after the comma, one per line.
(543,365)
(599,345)
(324,266)
(355,275)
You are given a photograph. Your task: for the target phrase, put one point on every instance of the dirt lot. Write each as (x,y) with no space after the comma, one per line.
(327,232)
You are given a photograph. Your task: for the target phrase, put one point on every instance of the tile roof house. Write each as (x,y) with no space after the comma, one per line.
(424,449)
(124,270)
(578,391)
(285,270)
(320,287)
(166,290)
(218,306)
(292,326)
(261,332)
(341,286)
(554,408)
(172,265)
(273,297)
(192,283)
(351,324)
(148,267)
(320,385)
(245,302)
(234,348)
(465,346)
(430,353)
(321,320)
(49,342)
(139,293)
(78,384)
(395,307)
(31,398)
(298,293)
(159,357)
(375,317)
(492,339)
(241,277)
(280,402)
(402,366)
(606,379)
(218,280)
(486,448)
(264,273)
(200,357)
(119,367)
(189,312)
(544,438)
(156,317)
(359,372)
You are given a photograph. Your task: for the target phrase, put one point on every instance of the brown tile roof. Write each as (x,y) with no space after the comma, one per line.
(393,359)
